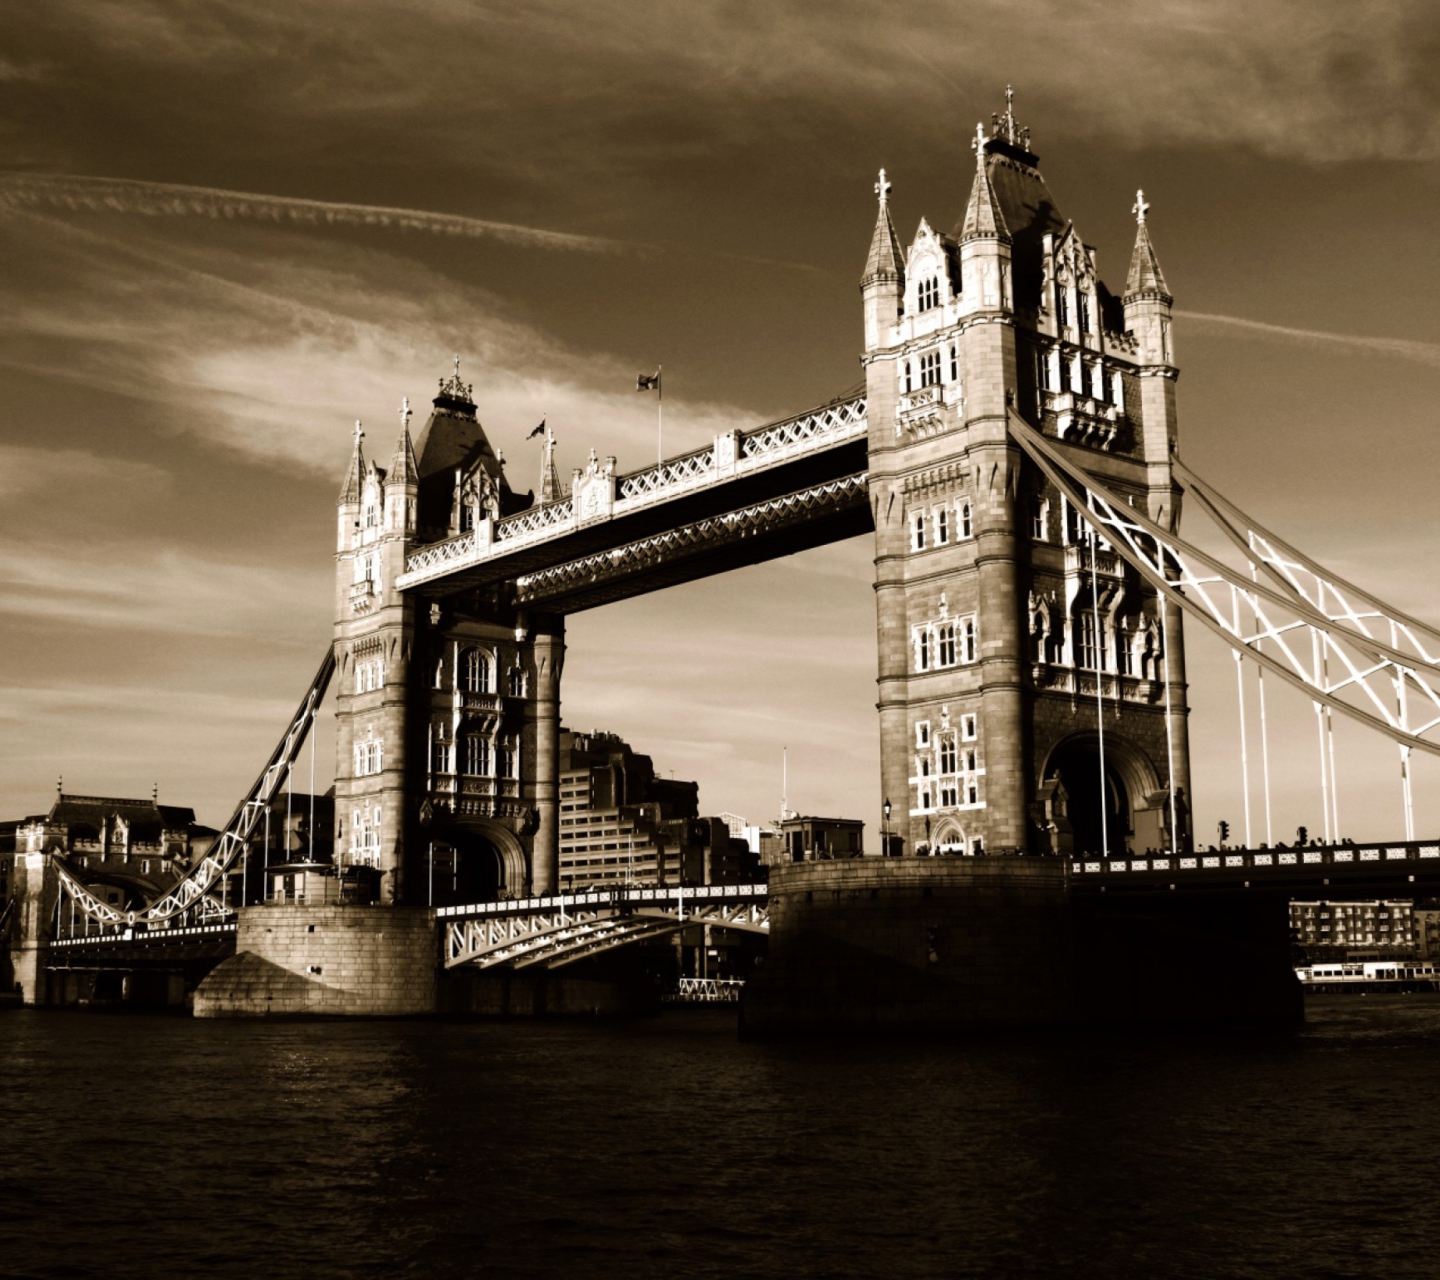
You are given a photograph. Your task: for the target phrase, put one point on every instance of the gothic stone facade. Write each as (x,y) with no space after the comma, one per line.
(988,587)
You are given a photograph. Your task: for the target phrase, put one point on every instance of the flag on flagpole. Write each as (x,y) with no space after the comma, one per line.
(539,431)
(648,381)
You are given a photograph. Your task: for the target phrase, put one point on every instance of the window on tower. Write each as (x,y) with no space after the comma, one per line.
(906,378)
(947,645)
(1083,300)
(954,363)
(967,640)
(922,650)
(928,295)
(1062,305)
(967,529)
(922,733)
(949,754)
(942,527)
(917,532)
(930,369)
(477,756)
(475,671)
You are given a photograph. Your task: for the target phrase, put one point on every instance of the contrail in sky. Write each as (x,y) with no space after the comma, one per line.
(1403,348)
(165,199)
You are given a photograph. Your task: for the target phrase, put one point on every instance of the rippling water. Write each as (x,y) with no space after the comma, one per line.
(152,1146)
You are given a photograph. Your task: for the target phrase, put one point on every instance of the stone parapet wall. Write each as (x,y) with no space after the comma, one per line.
(345,961)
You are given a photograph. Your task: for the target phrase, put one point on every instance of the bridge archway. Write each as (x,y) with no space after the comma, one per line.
(478,862)
(1129,779)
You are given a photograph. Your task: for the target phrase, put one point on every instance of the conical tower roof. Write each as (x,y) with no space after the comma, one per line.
(885,261)
(403,469)
(549,476)
(1145,275)
(983,218)
(355,471)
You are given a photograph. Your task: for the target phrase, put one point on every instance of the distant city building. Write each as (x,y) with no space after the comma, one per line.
(127,851)
(1427,929)
(622,824)
(1354,926)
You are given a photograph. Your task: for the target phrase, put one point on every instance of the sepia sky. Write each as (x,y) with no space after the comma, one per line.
(229,229)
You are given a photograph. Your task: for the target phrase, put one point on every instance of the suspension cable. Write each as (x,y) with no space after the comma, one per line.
(1099,689)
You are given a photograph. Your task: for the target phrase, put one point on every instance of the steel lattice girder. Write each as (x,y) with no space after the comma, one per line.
(1221,597)
(686,540)
(193,893)
(553,936)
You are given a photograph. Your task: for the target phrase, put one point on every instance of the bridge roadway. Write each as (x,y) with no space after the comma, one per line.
(747,497)
(557,930)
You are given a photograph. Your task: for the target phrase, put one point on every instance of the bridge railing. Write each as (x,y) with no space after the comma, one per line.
(618,897)
(733,454)
(1262,859)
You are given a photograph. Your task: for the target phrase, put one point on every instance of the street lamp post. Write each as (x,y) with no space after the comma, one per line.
(885,834)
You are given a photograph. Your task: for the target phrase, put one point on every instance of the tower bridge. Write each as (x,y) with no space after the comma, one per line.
(1014,453)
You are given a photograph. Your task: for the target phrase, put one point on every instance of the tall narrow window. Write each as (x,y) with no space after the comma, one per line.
(922,733)
(442,757)
(948,754)
(947,644)
(1039,515)
(922,660)
(954,363)
(477,756)
(917,536)
(942,527)
(517,682)
(907,377)
(1062,305)
(967,642)
(1084,300)
(475,671)
(1091,655)
(967,529)
(930,369)
(969,727)
(1042,369)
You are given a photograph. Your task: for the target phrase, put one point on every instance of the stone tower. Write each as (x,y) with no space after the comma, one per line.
(989,649)
(447,710)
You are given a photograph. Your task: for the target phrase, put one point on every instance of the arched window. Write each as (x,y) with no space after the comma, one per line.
(475,671)
(967,524)
(477,756)
(517,682)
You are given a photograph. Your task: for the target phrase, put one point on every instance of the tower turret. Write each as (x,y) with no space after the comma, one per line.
(1148,305)
(984,239)
(349,501)
(883,284)
(402,485)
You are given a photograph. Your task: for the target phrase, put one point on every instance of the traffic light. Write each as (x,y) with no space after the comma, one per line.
(1224,831)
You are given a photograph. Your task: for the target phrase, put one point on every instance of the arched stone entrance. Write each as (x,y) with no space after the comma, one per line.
(1129,782)
(475,862)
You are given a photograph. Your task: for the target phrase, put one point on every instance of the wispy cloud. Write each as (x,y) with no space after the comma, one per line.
(170,593)
(173,200)
(27,470)
(274,357)
(1427,353)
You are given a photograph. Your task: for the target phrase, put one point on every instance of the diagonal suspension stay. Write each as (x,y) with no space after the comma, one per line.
(1372,677)
(195,893)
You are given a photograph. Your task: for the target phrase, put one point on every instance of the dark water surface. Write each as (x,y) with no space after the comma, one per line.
(140,1146)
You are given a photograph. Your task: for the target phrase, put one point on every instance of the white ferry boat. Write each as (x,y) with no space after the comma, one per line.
(1370,975)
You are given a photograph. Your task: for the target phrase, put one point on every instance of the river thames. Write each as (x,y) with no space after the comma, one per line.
(142,1146)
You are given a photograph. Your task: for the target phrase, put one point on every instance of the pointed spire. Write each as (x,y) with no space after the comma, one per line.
(983,218)
(404,470)
(1145,277)
(355,472)
(549,477)
(885,261)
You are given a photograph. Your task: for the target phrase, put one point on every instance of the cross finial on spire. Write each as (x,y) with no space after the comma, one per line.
(457,366)
(405,414)
(979,144)
(1140,208)
(882,188)
(359,432)
(1009,101)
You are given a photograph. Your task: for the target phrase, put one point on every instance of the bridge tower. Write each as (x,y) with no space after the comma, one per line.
(447,711)
(997,616)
